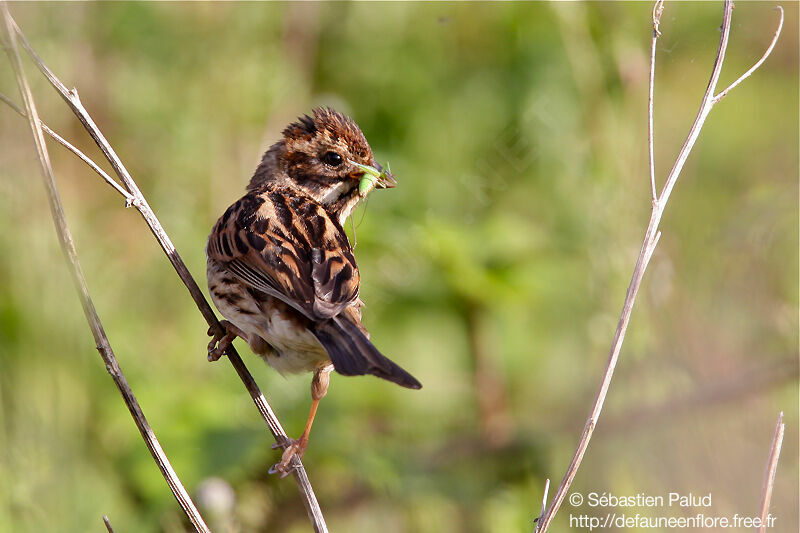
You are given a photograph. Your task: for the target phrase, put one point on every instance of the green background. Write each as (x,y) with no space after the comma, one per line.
(494,272)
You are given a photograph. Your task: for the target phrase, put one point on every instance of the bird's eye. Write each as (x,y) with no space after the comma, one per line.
(332,158)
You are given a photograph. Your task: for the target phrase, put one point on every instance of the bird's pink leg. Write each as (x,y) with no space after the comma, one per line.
(319,388)
(219,343)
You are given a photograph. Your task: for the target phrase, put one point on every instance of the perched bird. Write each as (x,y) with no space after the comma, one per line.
(281,269)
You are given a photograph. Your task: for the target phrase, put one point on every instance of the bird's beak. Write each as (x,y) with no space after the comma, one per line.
(373,177)
(386,179)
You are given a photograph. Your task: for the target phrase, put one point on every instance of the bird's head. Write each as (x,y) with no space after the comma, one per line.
(328,158)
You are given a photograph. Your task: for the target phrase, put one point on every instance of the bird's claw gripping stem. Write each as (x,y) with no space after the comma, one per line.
(285,466)
(221,341)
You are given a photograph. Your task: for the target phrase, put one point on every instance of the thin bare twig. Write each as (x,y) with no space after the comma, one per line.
(769,475)
(544,498)
(72,99)
(63,142)
(658,9)
(107,523)
(648,246)
(68,247)
(752,69)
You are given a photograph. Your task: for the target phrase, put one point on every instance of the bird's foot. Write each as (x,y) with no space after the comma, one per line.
(296,448)
(220,342)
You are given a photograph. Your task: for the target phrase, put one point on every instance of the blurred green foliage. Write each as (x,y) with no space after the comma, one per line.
(494,272)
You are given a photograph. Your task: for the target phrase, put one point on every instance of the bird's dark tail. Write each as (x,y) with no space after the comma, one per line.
(353,354)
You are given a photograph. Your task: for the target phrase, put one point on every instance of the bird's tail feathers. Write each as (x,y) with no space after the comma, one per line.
(353,354)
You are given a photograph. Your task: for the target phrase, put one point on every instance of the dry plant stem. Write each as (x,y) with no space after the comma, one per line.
(648,246)
(769,475)
(108,524)
(138,200)
(66,144)
(658,9)
(544,498)
(752,69)
(67,246)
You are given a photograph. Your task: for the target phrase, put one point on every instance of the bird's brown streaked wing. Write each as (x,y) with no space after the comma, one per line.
(288,248)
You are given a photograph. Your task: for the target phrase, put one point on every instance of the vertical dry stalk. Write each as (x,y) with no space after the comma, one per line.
(658,9)
(652,234)
(134,197)
(68,247)
(772,468)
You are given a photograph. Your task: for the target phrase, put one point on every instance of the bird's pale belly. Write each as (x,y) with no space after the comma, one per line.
(275,331)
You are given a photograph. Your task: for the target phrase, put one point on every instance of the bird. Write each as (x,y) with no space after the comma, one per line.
(281,269)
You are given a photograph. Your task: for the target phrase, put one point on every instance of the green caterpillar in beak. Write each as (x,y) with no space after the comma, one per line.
(370,178)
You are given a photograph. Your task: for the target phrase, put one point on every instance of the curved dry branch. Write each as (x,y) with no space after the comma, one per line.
(648,247)
(137,199)
(68,247)
(758,63)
